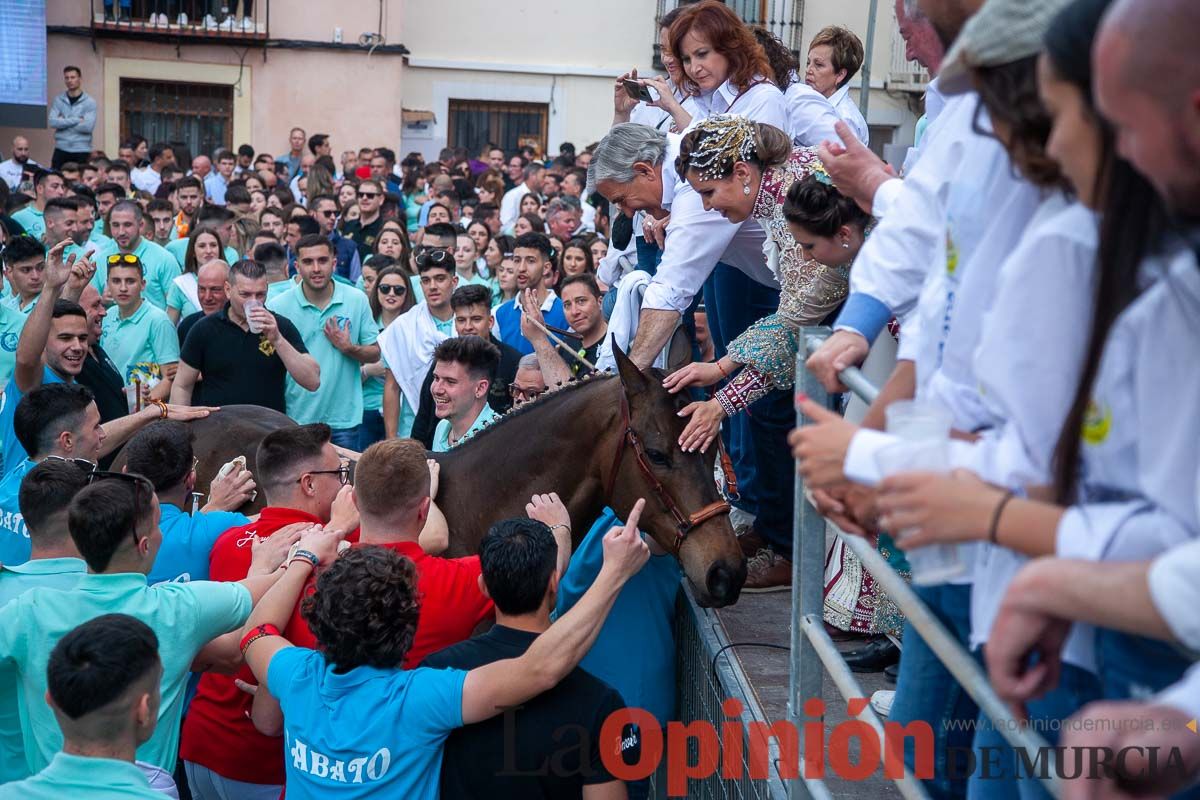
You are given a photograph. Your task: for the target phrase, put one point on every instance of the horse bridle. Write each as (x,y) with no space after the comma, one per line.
(683,523)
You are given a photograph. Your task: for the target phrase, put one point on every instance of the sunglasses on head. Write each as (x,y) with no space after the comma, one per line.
(82,463)
(436,258)
(141,487)
(389,288)
(123,258)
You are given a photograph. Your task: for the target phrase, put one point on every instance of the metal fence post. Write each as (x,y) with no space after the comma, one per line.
(808,573)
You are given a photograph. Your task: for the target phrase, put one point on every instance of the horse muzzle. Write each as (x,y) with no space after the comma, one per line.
(723,583)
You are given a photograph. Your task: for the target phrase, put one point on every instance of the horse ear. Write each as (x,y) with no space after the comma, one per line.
(632,378)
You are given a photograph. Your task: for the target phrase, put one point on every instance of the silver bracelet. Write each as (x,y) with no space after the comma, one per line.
(567,528)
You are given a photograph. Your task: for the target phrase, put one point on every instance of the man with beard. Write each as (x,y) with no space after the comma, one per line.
(158,266)
(18,162)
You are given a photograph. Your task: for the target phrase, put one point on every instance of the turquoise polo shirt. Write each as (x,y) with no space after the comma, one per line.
(338,402)
(184,616)
(53,573)
(32,220)
(187,542)
(158,268)
(14,536)
(141,341)
(441,436)
(12,302)
(14,453)
(279,287)
(83,776)
(11,324)
(178,251)
(178,300)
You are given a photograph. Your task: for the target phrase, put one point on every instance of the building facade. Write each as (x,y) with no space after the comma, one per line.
(408,74)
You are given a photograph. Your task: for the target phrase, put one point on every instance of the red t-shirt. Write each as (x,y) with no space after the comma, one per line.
(217,732)
(452,605)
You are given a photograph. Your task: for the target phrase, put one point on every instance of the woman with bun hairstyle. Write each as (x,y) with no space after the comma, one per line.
(744,169)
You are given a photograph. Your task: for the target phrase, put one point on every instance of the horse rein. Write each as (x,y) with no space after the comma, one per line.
(683,523)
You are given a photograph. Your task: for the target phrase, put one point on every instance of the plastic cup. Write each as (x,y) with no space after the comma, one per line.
(915,420)
(247,307)
(936,563)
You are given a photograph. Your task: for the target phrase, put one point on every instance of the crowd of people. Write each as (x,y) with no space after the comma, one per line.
(1026,262)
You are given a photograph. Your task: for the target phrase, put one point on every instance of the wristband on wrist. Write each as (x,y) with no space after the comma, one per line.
(306,555)
(723,372)
(566,528)
(993,529)
(257,633)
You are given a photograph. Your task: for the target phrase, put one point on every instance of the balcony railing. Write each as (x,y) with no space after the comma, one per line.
(237,20)
(904,75)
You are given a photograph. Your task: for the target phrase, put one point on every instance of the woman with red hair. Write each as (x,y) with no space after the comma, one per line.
(724,66)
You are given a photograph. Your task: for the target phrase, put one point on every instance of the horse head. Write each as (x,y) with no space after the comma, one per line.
(684,512)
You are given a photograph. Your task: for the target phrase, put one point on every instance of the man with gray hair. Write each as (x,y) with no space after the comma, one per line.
(562,217)
(633,167)
(510,206)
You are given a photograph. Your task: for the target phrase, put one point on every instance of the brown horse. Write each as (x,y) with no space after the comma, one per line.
(576,441)
(605,441)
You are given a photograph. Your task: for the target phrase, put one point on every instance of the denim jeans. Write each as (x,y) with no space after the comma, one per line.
(1134,667)
(757,439)
(925,690)
(1007,778)
(371,430)
(346,437)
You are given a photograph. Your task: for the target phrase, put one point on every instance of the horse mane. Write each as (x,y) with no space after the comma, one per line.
(550,398)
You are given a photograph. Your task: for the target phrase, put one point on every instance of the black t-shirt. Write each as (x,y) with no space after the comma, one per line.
(186,324)
(578,368)
(556,746)
(363,235)
(100,375)
(237,366)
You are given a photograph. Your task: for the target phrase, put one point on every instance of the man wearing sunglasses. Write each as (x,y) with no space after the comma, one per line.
(408,343)
(365,230)
(324,207)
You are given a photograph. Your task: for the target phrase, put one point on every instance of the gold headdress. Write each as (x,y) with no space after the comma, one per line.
(726,139)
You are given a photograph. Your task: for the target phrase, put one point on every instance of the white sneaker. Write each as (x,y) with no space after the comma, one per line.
(210,22)
(181,20)
(161,21)
(227,24)
(881,702)
(247,25)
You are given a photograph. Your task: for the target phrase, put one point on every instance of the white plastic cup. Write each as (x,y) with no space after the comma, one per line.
(936,563)
(247,307)
(915,420)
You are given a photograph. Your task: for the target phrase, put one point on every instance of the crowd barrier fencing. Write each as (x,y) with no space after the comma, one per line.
(812,650)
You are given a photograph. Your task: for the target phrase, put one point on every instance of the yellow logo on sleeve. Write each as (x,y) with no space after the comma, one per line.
(1097,422)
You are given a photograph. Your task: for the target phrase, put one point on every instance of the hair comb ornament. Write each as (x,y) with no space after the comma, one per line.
(818,171)
(726,139)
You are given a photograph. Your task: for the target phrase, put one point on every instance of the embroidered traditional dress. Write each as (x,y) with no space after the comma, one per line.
(811,291)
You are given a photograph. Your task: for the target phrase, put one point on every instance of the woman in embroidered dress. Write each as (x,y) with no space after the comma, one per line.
(745,169)
(815,233)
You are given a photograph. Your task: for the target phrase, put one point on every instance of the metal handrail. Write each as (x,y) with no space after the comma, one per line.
(811,645)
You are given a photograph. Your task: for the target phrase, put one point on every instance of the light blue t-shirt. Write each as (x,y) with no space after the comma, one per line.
(32,220)
(187,542)
(441,436)
(80,776)
(14,536)
(338,402)
(12,302)
(184,616)
(11,324)
(15,580)
(141,342)
(366,733)
(644,612)
(158,269)
(14,453)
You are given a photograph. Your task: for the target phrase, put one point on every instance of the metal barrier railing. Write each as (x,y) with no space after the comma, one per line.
(812,649)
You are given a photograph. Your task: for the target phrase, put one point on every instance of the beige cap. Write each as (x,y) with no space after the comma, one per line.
(1001,32)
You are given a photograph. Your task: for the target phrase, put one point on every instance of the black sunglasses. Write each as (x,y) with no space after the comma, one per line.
(368,194)
(393,288)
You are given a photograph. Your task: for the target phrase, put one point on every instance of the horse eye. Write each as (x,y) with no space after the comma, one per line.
(658,457)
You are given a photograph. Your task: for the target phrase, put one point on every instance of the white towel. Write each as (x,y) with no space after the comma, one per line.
(187,284)
(407,345)
(622,325)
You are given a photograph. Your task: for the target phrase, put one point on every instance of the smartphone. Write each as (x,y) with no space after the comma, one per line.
(638,91)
